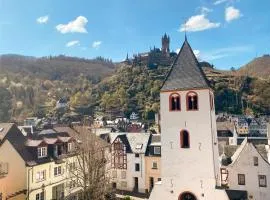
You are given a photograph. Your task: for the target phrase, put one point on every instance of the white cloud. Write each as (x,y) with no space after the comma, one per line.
(232,13)
(205,10)
(220,2)
(43,19)
(198,23)
(73,43)
(197,53)
(225,52)
(76,26)
(96,44)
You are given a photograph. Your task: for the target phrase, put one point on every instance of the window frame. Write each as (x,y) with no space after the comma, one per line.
(187,101)
(155,151)
(58,171)
(38,175)
(265,179)
(40,196)
(240,180)
(170,102)
(182,139)
(137,167)
(42,152)
(154,165)
(255,161)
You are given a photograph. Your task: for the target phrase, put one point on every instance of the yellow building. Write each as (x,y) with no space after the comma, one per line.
(153,162)
(36,166)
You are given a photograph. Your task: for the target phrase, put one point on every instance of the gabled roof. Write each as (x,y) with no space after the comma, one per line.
(185,72)
(260,149)
(138,142)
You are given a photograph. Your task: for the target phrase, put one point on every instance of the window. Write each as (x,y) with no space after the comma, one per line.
(241,179)
(57,171)
(42,152)
(262,181)
(137,167)
(192,101)
(40,196)
(175,104)
(137,155)
(184,139)
(154,165)
(187,196)
(123,174)
(1,196)
(114,174)
(255,161)
(41,175)
(157,150)
(3,169)
(159,179)
(139,146)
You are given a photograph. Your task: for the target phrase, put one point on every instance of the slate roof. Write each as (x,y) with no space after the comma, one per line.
(24,145)
(237,194)
(136,139)
(185,72)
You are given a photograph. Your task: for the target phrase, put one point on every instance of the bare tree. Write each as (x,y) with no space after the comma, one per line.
(91,166)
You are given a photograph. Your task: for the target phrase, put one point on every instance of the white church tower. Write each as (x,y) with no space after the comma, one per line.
(190,169)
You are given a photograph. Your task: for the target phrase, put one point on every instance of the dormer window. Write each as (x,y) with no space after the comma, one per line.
(175,104)
(42,152)
(192,101)
(184,139)
(139,146)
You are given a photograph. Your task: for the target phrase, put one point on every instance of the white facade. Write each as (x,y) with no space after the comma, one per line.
(193,169)
(243,163)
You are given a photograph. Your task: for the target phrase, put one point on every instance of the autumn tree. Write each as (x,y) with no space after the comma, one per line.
(92,168)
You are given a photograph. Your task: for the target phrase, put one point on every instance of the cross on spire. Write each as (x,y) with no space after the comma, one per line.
(185,30)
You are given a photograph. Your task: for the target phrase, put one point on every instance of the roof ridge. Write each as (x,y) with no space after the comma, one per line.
(185,72)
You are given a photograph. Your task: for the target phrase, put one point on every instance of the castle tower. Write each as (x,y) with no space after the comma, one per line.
(190,169)
(165,40)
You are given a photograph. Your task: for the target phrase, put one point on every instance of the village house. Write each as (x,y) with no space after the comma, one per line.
(36,167)
(153,162)
(246,168)
(128,161)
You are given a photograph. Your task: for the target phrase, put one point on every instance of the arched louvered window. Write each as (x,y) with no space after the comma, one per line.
(175,102)
(192,101)
(184,139)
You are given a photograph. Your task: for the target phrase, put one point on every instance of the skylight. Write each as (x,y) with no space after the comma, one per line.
(139,146)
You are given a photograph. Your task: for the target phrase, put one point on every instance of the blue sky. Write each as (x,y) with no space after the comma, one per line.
(227,33)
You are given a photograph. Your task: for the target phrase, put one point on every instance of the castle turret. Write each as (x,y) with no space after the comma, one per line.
(165,40)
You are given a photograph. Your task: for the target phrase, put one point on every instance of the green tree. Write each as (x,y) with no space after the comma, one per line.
(5,104)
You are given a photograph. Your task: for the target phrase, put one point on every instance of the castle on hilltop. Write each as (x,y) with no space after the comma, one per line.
(155,56)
